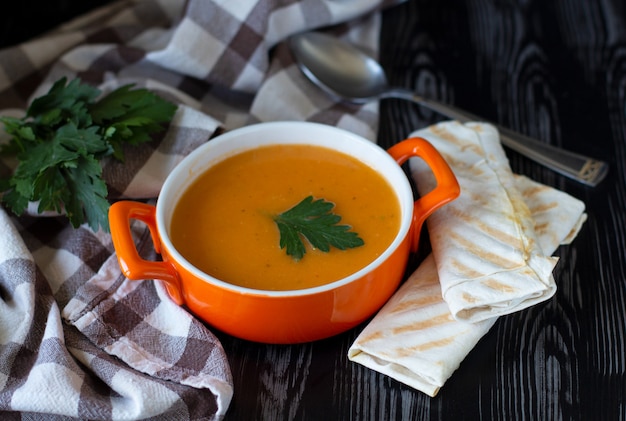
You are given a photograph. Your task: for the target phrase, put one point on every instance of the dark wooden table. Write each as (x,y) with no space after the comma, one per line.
(555,70)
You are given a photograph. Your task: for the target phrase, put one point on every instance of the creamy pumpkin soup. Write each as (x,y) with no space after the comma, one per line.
(224,224)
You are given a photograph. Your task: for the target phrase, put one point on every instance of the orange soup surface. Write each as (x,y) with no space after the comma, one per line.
(223,224)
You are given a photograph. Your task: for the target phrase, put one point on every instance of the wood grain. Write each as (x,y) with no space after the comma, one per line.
(553,70)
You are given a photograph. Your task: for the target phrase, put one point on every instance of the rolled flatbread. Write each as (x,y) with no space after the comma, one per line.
(416,339)
(484,243)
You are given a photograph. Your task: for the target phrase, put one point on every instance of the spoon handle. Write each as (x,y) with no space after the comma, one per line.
(581,168)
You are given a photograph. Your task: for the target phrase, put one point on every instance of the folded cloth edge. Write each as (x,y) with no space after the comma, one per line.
(84,315)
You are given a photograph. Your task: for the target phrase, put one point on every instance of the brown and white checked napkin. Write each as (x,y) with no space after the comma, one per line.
(124,351)
(416,338)
(77,339)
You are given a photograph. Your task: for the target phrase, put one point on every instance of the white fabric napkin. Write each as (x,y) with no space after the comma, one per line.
(415,337)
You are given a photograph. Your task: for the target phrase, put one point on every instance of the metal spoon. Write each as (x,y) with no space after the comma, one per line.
(347,74)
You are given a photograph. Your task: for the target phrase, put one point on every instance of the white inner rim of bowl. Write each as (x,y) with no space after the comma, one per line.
(236,141)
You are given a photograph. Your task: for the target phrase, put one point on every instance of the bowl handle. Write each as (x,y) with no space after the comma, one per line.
(447,188)
(133,266)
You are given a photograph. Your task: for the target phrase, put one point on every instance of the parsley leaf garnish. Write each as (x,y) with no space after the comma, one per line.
(313,220)
(61,140)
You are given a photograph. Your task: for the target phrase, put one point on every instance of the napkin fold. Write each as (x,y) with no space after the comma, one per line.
(84,341)
(415,338)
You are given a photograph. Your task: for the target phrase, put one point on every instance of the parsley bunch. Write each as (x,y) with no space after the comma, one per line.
(62,138)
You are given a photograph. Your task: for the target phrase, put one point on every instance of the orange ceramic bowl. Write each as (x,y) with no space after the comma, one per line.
(283,316)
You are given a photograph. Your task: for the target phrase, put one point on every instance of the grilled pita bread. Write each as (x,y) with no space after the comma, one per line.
(416,339)
(484,244)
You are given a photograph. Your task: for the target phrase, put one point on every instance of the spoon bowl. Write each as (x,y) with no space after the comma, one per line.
(347,74)
(338,68)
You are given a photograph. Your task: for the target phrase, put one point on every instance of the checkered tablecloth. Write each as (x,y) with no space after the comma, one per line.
(77,339)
